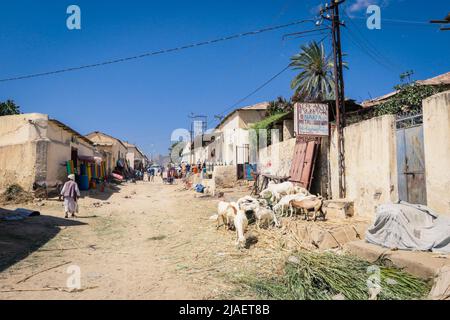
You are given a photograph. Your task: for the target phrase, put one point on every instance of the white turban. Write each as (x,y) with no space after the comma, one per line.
(71,177)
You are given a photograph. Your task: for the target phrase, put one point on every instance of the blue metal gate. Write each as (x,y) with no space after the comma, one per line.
(411,160)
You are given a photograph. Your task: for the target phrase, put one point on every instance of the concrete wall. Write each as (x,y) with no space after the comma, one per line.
(225,176)
(19,141)
(436,126)
(276,159)
(59,152)
(32,149)
(370,164)
(288,129)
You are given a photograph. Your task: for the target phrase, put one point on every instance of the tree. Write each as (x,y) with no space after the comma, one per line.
(315,81)
(9,108)
(279,105)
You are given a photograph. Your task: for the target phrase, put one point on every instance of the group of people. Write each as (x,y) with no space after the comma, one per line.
(187,169)
(70,191)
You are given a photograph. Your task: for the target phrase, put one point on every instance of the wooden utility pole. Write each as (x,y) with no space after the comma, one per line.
(332,11)
(444,21)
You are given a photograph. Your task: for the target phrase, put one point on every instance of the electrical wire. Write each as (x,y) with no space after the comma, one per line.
(359,36)
(255,91)
(259,88)
(154,53)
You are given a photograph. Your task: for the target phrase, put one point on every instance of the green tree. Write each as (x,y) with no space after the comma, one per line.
(315,81)
(279,105)
(9,108)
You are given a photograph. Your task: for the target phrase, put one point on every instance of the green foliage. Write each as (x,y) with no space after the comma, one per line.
(321,276)
(408,99)
(266,124)
(315,81)
(8,108)
(279,105)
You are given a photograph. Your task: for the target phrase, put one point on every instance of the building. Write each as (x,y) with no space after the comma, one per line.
(440,80)
(35,149)
(231,139)
(115,148)
(135,157)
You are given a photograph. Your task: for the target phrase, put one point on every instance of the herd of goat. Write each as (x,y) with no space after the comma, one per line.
(283,199)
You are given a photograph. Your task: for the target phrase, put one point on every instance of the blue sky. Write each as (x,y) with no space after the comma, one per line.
(142,101)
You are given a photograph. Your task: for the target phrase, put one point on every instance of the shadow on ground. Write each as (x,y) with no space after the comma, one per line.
(102,196)
(18,239)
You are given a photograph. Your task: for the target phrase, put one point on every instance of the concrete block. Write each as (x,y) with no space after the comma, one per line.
(339,208)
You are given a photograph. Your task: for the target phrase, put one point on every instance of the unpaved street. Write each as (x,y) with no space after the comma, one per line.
(143,241)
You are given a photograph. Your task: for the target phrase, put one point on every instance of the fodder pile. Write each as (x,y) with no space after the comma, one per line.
(15,194)
(326,276)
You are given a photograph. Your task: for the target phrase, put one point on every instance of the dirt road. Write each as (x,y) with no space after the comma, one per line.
(144,241)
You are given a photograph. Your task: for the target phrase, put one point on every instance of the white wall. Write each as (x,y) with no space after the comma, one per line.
(370,164)
(436,128)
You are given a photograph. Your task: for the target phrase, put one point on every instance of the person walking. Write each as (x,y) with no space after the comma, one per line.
(70,192)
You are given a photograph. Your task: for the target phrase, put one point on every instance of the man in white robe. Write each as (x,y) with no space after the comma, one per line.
(70,192)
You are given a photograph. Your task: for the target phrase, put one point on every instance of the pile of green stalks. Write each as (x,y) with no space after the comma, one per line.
(326,276)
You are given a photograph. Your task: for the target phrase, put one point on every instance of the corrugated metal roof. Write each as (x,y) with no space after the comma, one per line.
(67,128)
(443,79)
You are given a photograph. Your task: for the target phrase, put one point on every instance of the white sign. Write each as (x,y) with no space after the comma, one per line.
(311,119)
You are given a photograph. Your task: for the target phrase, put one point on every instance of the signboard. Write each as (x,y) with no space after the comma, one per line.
(311,119)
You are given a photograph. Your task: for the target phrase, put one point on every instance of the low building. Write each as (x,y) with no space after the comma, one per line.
(135,157)
(35,149)
(114,147)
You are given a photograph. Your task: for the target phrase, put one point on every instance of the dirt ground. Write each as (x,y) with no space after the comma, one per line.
(148,241)
(143,241)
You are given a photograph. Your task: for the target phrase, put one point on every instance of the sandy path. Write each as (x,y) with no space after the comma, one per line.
(149,241)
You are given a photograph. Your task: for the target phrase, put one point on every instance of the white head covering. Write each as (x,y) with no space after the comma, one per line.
(71,177)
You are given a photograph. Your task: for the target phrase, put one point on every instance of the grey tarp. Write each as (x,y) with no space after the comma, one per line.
(410,227)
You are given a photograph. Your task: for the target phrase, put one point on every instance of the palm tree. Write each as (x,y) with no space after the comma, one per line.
(9,108)
(315,81)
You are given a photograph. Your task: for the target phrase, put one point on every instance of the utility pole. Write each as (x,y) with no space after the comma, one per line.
(339,92)
(444,21)
(195,121)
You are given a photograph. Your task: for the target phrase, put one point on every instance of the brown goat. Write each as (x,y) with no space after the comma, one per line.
(307,205)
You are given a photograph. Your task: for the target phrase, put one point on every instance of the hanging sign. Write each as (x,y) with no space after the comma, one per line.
(311,119)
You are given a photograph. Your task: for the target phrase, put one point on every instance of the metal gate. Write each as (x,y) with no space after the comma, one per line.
(242,158)
(411,160)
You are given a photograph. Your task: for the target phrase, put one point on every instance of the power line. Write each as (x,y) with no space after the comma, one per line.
(370,47)
(259,88)
(255,91)
(154,53)
(400,21)
(370,54)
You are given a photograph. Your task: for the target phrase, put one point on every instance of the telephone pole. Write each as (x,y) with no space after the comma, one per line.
(198,126)
(332,15)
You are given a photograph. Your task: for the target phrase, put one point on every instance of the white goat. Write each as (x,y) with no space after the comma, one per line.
(248,203)
(241,224)
(279,190)
(226,212)
(265,216)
